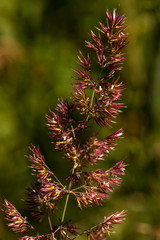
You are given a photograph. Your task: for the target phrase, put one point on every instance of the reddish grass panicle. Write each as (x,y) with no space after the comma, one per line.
(98,101)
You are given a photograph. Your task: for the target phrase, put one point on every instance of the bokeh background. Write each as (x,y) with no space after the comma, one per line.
(39,42)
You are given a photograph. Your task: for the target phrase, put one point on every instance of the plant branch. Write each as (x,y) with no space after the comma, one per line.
(66,202)
(50,224)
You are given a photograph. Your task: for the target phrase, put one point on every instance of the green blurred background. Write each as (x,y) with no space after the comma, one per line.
(39,42)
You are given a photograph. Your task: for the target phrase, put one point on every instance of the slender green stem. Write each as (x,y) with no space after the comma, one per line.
(70,184)
(69,188)
(66,203)
(92,98)
(93,93)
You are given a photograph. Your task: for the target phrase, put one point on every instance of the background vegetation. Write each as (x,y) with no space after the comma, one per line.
(39,42)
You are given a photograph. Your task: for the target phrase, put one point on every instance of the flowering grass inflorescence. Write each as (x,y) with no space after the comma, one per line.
(97,100)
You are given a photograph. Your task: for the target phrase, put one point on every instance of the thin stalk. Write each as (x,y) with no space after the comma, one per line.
(50,224)
(75,189)
(93,93)
(87,231)
(70,184)
(54,176)
(69,188)
(66,202)
(57,179)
